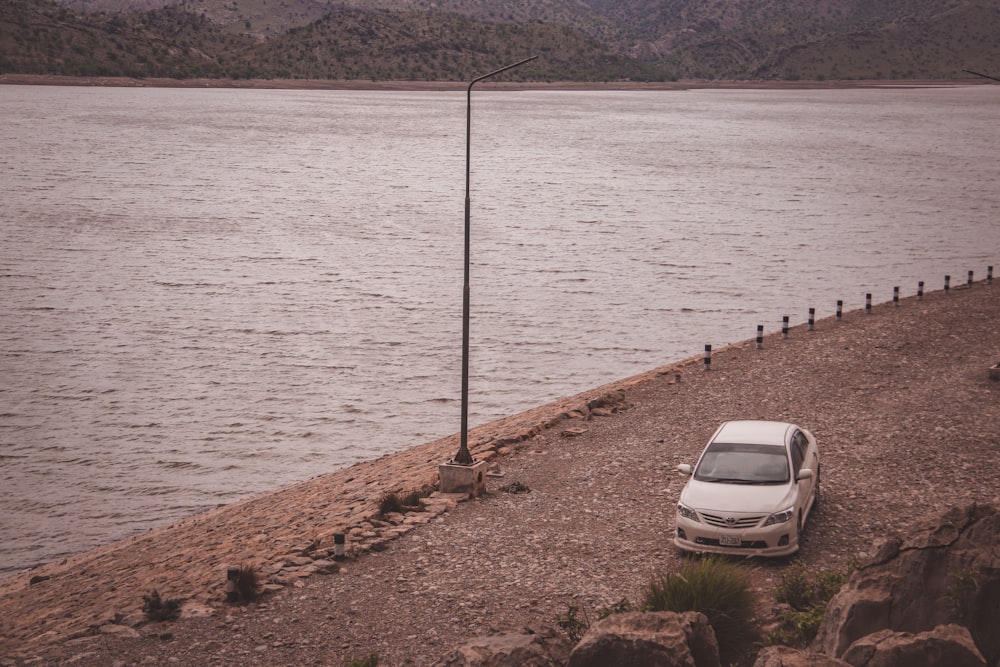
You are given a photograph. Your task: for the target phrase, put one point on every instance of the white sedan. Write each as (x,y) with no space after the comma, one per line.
(751,492)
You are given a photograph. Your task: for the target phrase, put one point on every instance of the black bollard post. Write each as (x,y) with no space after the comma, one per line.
(812,318)
(989,274)
(760,336)
(708,356)
(895,296)
(969,282)
(840,309)
(784,326)
(868,303)
(947,284)
(920,291)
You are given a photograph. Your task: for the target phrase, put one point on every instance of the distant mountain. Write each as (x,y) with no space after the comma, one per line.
(812,39)
(40,37)
(588,40)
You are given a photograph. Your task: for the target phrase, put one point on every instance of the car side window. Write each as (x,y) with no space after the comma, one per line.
(798,451)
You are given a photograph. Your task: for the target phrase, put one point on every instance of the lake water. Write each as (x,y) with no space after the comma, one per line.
(212,293)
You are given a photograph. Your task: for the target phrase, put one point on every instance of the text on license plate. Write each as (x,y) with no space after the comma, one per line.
(730,540)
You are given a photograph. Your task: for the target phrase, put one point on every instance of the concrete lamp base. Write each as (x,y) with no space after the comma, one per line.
(458,478)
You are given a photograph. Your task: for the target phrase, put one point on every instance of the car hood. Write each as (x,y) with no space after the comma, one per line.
(743,498)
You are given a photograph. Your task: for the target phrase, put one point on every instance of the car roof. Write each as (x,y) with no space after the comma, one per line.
(753,432)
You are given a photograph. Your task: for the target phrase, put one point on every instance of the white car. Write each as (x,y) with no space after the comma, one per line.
(751,492)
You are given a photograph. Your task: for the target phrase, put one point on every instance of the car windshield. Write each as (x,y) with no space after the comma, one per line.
(743,464)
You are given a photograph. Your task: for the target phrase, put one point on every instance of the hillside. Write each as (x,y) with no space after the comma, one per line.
(578,40)
(40,37)
(809,39)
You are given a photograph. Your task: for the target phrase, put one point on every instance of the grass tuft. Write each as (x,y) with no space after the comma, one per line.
(515,487)
(719,589)
(411,499)
(621,607)
(390,503)
(246,586)
(398,503)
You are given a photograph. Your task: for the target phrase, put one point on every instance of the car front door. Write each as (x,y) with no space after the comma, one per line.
(802,458)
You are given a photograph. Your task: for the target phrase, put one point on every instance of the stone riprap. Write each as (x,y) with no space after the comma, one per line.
(284,535)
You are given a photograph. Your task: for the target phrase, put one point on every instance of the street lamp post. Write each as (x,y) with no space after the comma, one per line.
(464,457)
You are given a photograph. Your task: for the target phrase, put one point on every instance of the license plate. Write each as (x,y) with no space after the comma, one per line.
(730,540)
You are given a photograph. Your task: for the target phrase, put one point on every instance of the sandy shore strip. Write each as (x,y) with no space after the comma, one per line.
(900,399)
(360,84)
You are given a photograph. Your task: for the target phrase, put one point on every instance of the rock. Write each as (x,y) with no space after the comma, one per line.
(119,630)
(950,645)
(326,567)
(298,560)
(650,639)
(947,571)
(134,619)
(544,648)
(192,609)
(785,656)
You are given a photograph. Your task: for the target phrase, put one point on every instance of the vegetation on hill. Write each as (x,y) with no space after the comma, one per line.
(578,40)
(40,37)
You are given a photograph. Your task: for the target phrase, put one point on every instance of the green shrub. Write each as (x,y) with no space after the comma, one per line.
(574,626)
(807,594)
(798,628)
(829,584)
(719,589)
(795,588)
(158,609)
(802,590)
(963,587)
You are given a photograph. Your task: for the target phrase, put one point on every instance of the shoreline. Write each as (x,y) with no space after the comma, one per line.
(342,501)
(326,84)
(903,377)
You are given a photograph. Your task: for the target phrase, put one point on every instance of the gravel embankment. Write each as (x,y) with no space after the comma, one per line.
(900,401)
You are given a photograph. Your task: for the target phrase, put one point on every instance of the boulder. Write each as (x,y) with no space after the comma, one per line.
(944,645)
(945,571)
(545,647)
(648,639)
(785,656)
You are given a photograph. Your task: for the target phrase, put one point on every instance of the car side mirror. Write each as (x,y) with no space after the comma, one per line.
(684,468)
(805,473)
